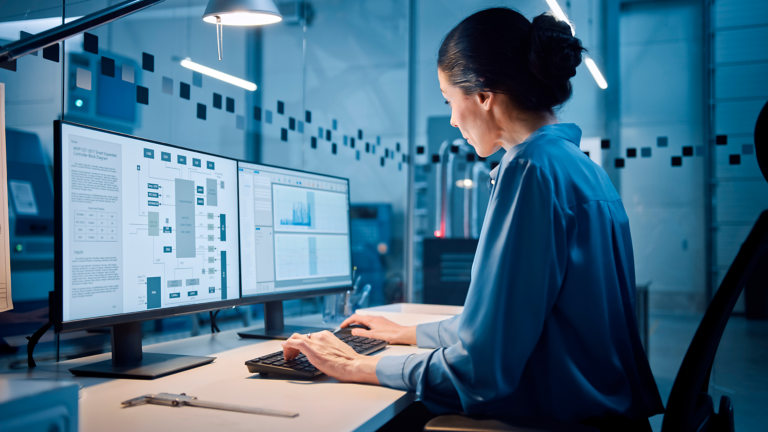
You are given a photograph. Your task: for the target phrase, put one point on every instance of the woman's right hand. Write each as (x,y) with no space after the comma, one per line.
(382,328)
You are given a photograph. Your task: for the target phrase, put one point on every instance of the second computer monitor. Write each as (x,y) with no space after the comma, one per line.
(294,232)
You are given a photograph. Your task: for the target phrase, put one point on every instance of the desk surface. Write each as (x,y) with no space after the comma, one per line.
(323,404)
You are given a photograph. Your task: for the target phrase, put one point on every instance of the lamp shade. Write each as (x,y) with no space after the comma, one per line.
(242,12)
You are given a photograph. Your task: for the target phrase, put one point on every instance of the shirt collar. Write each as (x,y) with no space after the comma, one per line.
(567,131)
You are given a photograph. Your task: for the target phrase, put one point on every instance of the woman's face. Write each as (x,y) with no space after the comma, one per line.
(472,115)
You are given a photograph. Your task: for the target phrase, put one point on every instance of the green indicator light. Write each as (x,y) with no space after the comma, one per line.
(79,103)
(19,247)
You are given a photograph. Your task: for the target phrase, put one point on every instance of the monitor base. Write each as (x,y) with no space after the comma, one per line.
(151,366)
(279,334)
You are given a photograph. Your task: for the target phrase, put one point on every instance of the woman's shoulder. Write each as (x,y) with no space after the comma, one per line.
(555,152)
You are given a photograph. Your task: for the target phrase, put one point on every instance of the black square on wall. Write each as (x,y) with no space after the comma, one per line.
(435,158)
(142,95)
(184,90)
(90,43)
(257,113)
(292,124)
(382,161)
(619,163)
(359,134)
(217,101)
(386,152)
(645,152)
(352,142)
(677,161)
(481,159)
(687,150)
(51,53)
(721,140)
(280,107)
(313,143)
(201,111)
(284,134)
(734,159)
(230,105)
(367,147)
(108,66)
(662,141)
(397,147)
(470,157)
(605,144)
(308,117)
(327,134)
(419,149)
(333,148)
(631,152)
(454,149)
(148,62)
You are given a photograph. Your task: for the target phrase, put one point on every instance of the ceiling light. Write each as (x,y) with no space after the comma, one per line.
(239,13)
(559,14)
(596,73)
(189,64)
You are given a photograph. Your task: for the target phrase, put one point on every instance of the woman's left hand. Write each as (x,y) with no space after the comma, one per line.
(333,357)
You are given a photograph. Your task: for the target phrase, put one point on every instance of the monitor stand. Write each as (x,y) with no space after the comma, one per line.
(274,326)
(128,360)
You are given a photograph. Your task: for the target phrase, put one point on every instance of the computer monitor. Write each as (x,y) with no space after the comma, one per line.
(294,240)
(144,230)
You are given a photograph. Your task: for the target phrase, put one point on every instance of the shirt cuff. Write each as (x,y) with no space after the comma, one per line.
(428,335)
(389,371)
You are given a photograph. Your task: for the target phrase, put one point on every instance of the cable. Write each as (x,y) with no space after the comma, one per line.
(33,341)
(213,315)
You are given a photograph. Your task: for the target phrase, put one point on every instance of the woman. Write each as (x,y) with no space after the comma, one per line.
(548,328)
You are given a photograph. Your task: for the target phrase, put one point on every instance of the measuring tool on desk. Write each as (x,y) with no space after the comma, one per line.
(179,400)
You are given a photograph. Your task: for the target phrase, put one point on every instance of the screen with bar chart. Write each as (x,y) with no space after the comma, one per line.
(294,230)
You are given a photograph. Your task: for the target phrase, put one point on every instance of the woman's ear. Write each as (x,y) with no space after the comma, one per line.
(486,99)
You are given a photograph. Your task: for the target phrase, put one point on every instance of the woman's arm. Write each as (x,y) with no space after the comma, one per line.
(429,335)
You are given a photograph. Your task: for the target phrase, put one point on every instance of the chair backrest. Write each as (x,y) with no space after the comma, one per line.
(689,405)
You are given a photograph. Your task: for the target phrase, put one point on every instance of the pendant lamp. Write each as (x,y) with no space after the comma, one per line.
(239,13)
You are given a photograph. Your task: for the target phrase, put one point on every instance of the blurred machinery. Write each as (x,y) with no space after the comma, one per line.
(30,213)
(371,244)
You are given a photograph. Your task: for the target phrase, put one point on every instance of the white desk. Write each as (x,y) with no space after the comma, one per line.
(323,404)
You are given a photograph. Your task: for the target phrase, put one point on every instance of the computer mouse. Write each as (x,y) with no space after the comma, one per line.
(348,329)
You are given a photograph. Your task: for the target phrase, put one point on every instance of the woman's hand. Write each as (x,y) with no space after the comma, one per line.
(333,357)
(382,328)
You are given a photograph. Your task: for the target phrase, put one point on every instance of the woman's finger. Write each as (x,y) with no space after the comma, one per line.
(295,344)
(356,319)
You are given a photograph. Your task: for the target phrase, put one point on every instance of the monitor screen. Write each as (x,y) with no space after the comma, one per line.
(144,225)
(294,230)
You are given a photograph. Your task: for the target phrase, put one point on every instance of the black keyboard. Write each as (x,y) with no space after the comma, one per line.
(300,367)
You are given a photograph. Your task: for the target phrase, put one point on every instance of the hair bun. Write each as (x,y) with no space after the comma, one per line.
(554,53)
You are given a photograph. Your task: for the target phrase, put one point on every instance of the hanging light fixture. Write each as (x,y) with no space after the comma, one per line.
(239,13)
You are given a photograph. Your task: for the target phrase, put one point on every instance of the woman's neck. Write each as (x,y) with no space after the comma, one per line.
(517,127)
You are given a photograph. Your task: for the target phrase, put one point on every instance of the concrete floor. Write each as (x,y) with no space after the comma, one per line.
(740,371)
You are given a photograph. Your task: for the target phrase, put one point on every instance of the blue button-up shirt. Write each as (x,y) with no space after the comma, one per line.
(549,327)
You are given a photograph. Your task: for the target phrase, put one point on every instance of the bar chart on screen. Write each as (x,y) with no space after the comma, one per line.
(300,209)
(300,256)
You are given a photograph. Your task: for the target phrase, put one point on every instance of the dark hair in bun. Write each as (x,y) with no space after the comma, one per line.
(499,50)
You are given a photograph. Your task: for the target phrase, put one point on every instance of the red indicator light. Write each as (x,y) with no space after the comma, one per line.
(438,233)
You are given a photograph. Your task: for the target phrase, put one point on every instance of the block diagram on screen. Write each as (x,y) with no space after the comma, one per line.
(183,231)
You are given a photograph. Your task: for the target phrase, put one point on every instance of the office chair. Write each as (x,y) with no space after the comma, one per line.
(689,408)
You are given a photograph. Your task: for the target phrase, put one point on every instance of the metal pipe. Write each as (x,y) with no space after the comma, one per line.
(22,47)
(439,196)
(477,169)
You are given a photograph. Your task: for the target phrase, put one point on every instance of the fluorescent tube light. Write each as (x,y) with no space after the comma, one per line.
(596,73)
(189,64)
(559,14)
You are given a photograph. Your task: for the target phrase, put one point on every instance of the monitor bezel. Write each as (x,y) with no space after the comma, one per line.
(300,293)
(86,323)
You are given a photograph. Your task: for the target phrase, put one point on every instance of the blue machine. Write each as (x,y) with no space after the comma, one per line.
(31,218)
